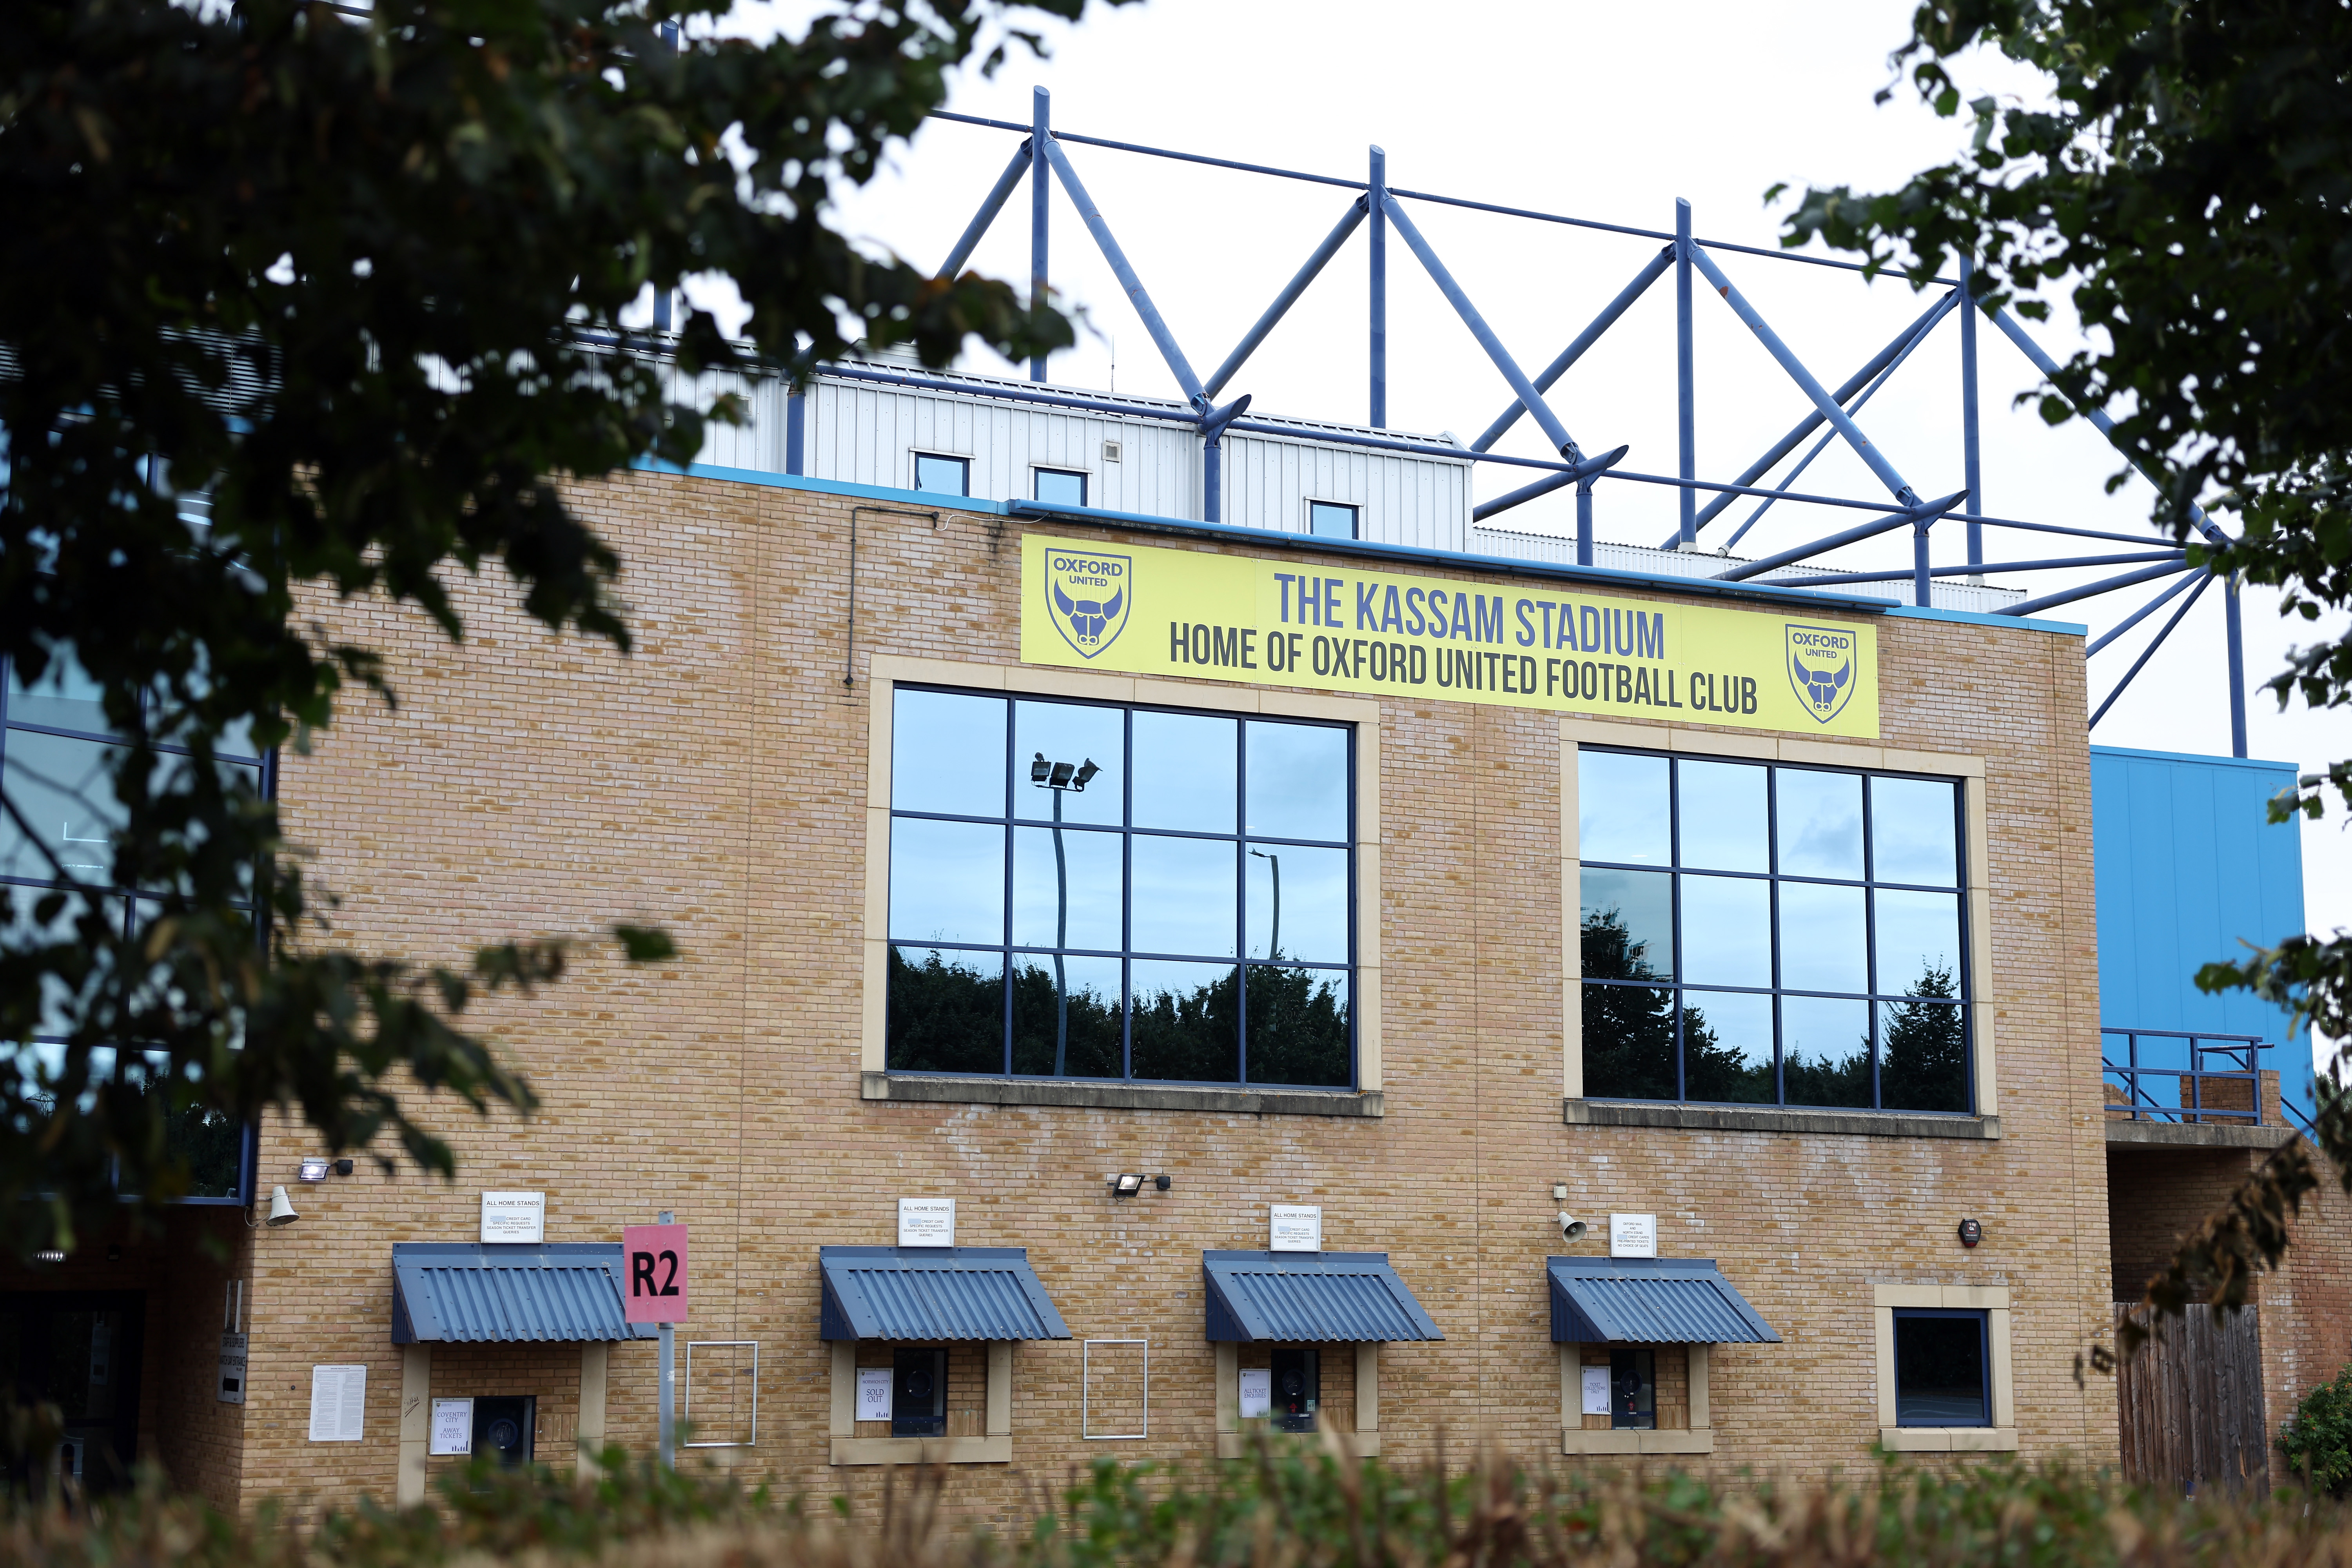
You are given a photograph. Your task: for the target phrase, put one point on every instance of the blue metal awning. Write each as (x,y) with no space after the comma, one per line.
(469,1291)
(934,1293)
(1334,1298)
(1649,1301)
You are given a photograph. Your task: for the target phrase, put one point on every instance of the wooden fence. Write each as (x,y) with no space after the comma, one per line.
(2191,1404)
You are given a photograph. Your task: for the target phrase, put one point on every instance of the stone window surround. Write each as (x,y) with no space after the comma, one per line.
(417,1416)
(1829,751)
(886,672)
(995,1447)
(1698,1437)
(2001,1438)
(1233,1442)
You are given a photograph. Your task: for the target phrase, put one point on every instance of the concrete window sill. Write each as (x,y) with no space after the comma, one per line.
(995,1450)
(1118,1096)
(1240,1444)
(1948,1439)
(1577,1440)
(1775,1118)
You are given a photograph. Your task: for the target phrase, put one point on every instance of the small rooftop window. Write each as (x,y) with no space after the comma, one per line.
(1330,520)
(1060,486)
(943,476)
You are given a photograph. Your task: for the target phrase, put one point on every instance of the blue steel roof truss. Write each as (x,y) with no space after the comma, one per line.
(1330,1297)
(934,1293)
(1650,1301)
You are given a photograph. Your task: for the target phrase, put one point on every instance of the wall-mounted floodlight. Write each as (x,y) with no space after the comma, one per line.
(1126,1186)
(314,1169)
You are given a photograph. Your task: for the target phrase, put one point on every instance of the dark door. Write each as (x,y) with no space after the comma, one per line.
(78,1351)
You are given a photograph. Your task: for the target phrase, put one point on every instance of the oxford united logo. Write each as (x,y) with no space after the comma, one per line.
(1091,592)
(1821,665)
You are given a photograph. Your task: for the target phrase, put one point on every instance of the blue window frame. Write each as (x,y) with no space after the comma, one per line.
(1092,890)
(1331,520)
(942,475)
(1756,934)
(1943,1368)
(1059,487)
(56,747)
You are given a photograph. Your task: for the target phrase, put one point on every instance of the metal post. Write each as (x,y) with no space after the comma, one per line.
(2237,667)
(1921,580)
(1376,199)
(668,1428)
(1970,453)
(796,432)
(1686,389)
(1584,523)
(1061,940)
(1213,478)
(1041,193)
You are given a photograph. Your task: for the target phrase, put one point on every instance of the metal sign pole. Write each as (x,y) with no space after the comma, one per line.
(669,1442)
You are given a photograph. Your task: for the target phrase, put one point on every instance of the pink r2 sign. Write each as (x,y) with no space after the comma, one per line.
(653,1288)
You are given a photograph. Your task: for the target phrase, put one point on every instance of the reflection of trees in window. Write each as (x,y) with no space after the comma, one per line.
(1628,1030)
(1094,1044)
(943,1016)
(1190,1034)
(1713,1071)
(1297,1026)
(1826,1082)
(1926,1064)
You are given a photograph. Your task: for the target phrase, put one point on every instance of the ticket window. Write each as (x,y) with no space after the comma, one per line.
(503,1428)
(919,1393)
(1297,1392)
(1632,1390)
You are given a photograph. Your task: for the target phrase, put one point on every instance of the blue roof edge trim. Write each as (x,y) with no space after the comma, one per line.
(2196,757)
(1717,1314)
(425,1323)
(1232,1316)
(844,1313)
(1987,618)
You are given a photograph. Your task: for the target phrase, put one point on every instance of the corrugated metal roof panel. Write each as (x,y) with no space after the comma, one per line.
(934,1293)
(1340,1297)
(564,1292)
(1650,1301)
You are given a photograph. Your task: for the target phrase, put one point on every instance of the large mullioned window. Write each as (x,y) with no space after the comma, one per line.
(1086,891)
(1766,935)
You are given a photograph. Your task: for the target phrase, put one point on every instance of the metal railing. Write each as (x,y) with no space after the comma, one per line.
(2231,1092)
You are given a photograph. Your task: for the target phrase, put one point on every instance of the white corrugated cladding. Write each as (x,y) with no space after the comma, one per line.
(1403,498)
(759,443)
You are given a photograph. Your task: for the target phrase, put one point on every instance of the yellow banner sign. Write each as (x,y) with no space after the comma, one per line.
(1234,618)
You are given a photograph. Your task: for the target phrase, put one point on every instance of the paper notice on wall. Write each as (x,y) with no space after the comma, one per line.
(1295,1227)
(874,1393)
(453,1427)
(1596,1391)
(1632,1235)
(338,1402)
(1257,1391)
(926,1222)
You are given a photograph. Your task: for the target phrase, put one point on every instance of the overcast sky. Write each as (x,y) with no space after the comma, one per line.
(1607,112)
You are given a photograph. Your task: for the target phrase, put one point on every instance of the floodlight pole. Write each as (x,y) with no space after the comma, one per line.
(666,1447)
(1273,947)
(1060,940)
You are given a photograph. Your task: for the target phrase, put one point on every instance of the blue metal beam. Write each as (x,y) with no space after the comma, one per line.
(1582,473)
(1996,568)
(1092,217)
(1376,196)
(796,432)
(1828,406)
(977,229)
(1213,457)
(2236,639)
(1687,379)
(1041,204)
(1287,298)
(1545,420)
(2149,652)
(2120,627)
(1910,516)
(1584,523)
(2092,589)
(1650,274)
(1970,448)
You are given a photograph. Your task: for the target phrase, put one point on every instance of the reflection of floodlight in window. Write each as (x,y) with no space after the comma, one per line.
(1086,769)
(1039,769)
(1061,775)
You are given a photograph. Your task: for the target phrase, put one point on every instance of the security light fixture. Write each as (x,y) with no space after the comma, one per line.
(49,1255)
(314,1169)
(1126,1186)
(281,1207)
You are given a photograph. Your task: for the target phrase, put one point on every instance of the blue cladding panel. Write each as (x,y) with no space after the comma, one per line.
(934,1293)
(1331,1298)
(1650,1301)
(470,1292)
(2190,868)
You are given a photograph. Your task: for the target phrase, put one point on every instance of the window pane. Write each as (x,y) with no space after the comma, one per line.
(1067,1017)
(1187,772)
(1067,732)
(17,926)
(65,698)
(1919,942)
(1628,1042)
(1327,520)
(1186,1021)
(1939,1371)
(1821,822)
(945,475)
(1723,817)
(947,881)
(1628,924)
(65,791)
(1823,947)
(1620,808)
(945,752)
(1184,900)
(1727,929)
(1075,902)
(1298,903)
(947,1011)
(1298,782)
(1825,1051)
(1924,1060)
(1298,1026)
(1913,829)
(1727,1048)
(1058,488)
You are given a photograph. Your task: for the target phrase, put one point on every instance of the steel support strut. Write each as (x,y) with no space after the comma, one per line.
(1545,420)
(1910,516)
(2092,589)
(1685,379)
(1040,202)
(1376,197)
(1581,474)
(1584,340)
(2235,632)
(1820,580)
(1212,457)
(1836,415)
(1970,448)
(1091,215)
(977,229)
(2120,627)
(2150,651)
(1287,298)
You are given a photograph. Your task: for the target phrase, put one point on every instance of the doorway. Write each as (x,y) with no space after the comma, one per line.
(78,1350)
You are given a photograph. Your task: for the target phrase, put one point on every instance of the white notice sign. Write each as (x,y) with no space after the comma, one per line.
(338,1402)
(1632,1235)
(453,1427)
(514,1216)
(1296,1227)
(874,1393)
(230,1389)
(1596,1391)
(1257,1391)
(926,1222)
